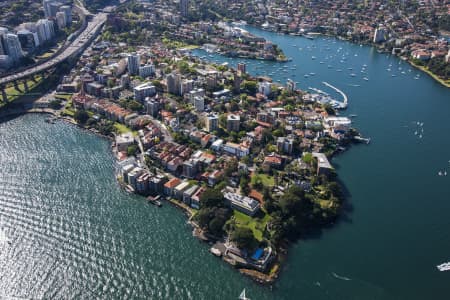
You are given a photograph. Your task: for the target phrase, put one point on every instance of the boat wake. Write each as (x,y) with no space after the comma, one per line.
(340,277)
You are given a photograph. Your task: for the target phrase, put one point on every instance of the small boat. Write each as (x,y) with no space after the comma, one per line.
(154,200)
(353,74)
(313,57)
(352,116)
(444,267)
(129,189)
(215,251)
(4,238)
(366,79)
(242,296)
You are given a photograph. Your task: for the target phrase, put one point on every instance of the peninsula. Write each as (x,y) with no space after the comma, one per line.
(246,158)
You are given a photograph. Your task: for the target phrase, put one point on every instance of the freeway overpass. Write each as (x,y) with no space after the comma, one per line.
(73,49)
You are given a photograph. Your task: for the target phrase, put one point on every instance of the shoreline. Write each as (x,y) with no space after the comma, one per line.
(431,74)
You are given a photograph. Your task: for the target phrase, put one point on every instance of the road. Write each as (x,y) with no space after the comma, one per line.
(92,29)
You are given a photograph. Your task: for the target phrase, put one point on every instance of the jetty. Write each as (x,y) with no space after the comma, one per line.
(342,104)
(362,139)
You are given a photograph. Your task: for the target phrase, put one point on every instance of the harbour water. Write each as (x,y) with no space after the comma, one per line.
(74,234)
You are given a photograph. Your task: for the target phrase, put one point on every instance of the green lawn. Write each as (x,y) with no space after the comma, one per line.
(46,55)
(64,96)
(68,112)
(257,225)
(190,47)
(121,128)
(266,179)
(13,94)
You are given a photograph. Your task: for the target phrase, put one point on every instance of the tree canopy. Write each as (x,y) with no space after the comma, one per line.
(244,238)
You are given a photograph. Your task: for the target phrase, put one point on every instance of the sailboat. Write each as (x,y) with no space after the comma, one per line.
(242,296)
(4,238)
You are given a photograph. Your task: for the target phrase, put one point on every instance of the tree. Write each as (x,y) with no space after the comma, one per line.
(290,202)
(81,116)
(158,85)
(329,109)
(244,238)
(131,150)
(234,106)
(135,106)
(203,217)
(249,86)
(266,136)
(335,189)
(55,104)
(244,184)
(183,66)
(223,120)
(231,167)
(211,198)
(110,83)
(216,225)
